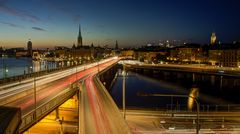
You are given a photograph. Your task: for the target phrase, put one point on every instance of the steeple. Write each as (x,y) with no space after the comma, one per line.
(213,38)
(79,41)
(79,32)
(116,45)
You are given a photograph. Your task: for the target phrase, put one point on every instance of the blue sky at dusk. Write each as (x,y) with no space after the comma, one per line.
(132,22)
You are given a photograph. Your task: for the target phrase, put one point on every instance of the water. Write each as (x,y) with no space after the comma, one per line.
(211,90)
(136,83)
(18,66)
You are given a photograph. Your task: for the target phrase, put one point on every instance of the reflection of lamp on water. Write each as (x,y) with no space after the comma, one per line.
(31,69)
(6,71)
(194,94)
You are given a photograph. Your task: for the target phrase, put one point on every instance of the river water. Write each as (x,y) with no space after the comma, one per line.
(212,90)
(18,66)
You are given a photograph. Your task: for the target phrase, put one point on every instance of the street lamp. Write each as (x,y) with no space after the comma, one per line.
(35,97)
(4,67)
(176,95)
(76,74)
(31,69)
(124,92)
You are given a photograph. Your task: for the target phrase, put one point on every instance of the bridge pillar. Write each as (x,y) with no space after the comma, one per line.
(193,77)
(75,100)
(57,113)
(221,82)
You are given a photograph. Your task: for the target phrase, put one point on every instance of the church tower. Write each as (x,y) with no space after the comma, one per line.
(116,45)
(29,47)
(213,39)
(79,40)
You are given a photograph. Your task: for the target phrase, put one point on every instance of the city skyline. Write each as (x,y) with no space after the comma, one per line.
(52,23)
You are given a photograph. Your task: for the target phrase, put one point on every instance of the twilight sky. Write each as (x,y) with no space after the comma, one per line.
(132,22)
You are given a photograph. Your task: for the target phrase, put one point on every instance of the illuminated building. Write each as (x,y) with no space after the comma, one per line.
(229,58)
(215,56)
(213,38)
(187,53)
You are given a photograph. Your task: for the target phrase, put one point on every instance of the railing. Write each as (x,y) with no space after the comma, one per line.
(32,117)
(121,125)
(39,73)
(204,108)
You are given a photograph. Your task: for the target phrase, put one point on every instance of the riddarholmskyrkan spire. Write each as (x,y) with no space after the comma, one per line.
(79,41)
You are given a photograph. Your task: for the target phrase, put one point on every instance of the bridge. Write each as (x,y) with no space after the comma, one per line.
(38,96)
(197,69)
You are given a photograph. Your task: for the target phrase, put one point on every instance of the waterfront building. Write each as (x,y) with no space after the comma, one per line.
(189,53)
(36,55)
(230,58)
(215,56)
(22,53)
(128,53)
(225,55)
(12,51)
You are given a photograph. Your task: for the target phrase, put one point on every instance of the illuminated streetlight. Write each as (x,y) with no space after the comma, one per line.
(124,91)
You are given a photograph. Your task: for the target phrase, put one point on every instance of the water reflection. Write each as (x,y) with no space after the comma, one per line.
(19,66)
(206,88)
(193,94)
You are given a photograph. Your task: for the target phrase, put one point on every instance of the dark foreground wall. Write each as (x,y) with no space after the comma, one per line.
(10,120)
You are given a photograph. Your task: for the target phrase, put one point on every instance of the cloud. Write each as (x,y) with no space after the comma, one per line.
(10,24)
(18,13)
(38,29)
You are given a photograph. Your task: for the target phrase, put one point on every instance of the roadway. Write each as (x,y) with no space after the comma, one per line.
(20,94)
(149,122)
(98,112)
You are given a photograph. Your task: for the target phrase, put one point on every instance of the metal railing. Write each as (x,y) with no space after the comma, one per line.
(30,118)
(204,108)
(121,125)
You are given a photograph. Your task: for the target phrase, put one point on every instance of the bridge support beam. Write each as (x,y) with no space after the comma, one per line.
(221,82)
(193,77)
(57,113)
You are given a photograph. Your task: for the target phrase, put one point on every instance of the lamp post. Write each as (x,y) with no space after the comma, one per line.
(76,74)
(175,95)
(6,71)
(35,97)
(124,92)
(4,67)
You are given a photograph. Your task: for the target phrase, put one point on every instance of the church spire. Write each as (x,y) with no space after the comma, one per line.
(79,42)
(79,32)
(116,45)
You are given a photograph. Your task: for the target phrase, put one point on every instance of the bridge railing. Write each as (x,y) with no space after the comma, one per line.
(204,108)
(33,117)
(121,125)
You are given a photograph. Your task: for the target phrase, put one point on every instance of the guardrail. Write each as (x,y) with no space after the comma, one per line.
(121,125)
(204,108)
(34,116)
